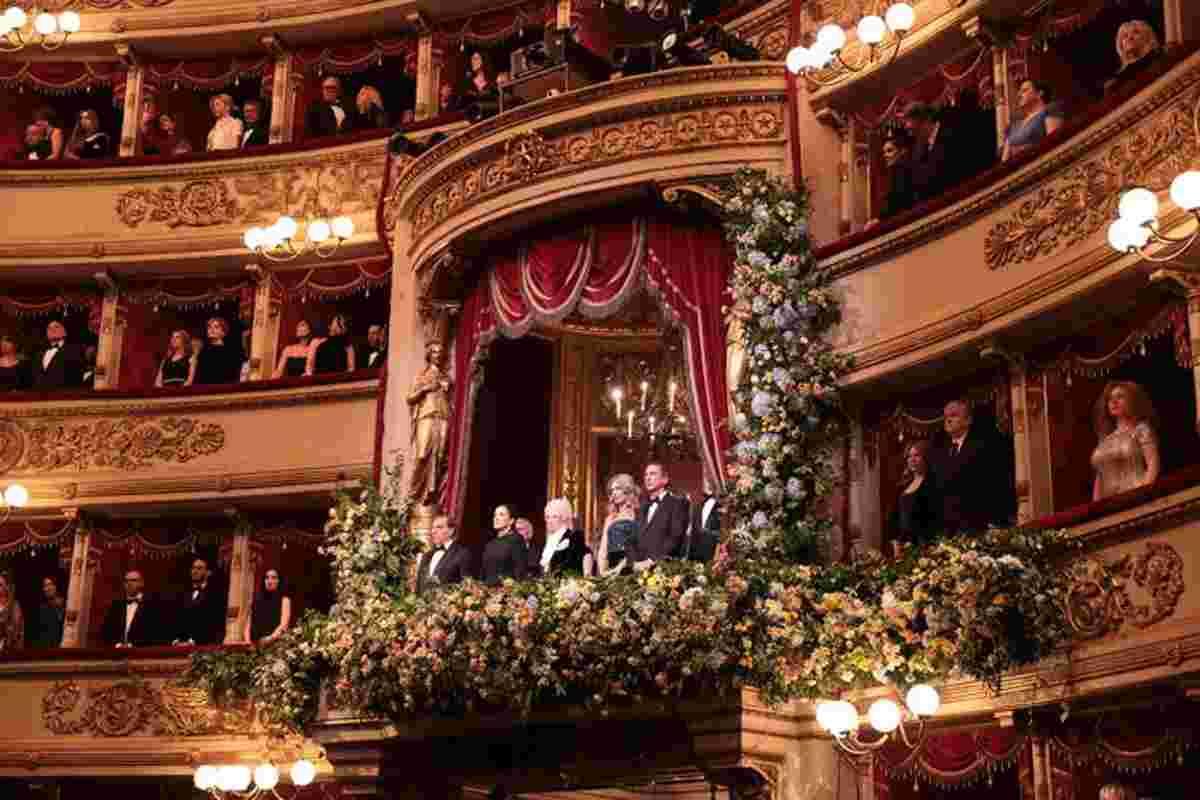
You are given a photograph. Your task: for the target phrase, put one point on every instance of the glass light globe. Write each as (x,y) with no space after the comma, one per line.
(884,715)
(824,711)
(225,778)
(15,17)
(1139,206)
(303,772)
(871,29)
(923,700)
(287,227)
(819,56)
(45,24)
(318,231)
(343,227)
(831,37)
(240,777)
(1185,190)
(68,21)
(205,777)
(5,25)
(797,59)
(843,717)
(16,496)
(254,238)
(1118,235)
(900,17)
(266,776)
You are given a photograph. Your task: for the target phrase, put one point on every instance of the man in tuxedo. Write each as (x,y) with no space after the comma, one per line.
(705,530)
(256,131)
(662,521)
(132,621)
(201,615)
(446,562)
(565,547)
(327,116)
(60,365)
(969,474)
(374,354)
(933,170)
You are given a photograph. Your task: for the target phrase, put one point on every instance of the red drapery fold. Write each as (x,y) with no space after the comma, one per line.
(299,292)
(344,59)
(205,75)
(949,760)
(30,305)
(488,27)
(60,77)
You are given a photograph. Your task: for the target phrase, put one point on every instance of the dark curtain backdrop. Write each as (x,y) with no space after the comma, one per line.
(364,309)
(17,105)
(189,107)
(306,575)
(148,332)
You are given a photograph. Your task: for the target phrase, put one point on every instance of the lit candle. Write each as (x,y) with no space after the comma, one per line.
(631,423)
(671,397)
(645,387)
(652,426)
(617,394)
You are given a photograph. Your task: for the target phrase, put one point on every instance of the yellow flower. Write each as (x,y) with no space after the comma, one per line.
(1000,600)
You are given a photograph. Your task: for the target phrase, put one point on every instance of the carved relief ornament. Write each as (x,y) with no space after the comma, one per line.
(1099,599)
(126,444)
(196,204)
(135,706)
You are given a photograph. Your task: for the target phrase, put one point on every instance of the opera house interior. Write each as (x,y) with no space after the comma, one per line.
(608,399)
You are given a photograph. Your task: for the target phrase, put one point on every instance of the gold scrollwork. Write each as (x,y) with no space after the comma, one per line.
(196,204)
(311,191)
(12,445)
(127,444)
(135,706)
(1099,601)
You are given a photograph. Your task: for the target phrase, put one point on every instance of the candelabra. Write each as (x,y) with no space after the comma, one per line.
(277,242)
(20,29)
(831,40)
(15,496)
(646,399)
(227,781)
(840,718)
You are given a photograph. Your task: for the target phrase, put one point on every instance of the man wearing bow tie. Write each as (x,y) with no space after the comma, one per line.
(662,520)
(327,116)
(972,473)
(447,562)
(706,527)
(131,621)
(201,617)
(374,354)
(565,547)
(60,365)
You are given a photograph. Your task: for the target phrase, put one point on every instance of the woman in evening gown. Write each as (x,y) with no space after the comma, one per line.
(178,368)
(620,527)
(271,612)
(334,353)
(1127,456)
(916,519)
(13,369)
(505,556)
(218,361)
(294,358)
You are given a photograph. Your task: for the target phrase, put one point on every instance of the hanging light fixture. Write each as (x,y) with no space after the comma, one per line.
(20,28)
(278,241)
(239,782)
(831,40)
(840,718)
(645,399)
(15,496)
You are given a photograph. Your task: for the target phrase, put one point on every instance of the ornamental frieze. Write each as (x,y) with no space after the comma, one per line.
(195,204)
(135,706)
(131,443)
(96,5)
(1101,598)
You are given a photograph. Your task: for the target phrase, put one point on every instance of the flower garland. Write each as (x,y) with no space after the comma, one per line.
(788,419)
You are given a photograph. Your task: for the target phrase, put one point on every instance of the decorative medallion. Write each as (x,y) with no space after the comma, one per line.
(135,706)
(127,444)
(12,445)
(1099,601)
(197,204)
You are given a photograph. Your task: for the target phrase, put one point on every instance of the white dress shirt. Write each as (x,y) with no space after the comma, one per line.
(438,555)
(48,356)
(654,503)
(131,609)
(707,509)
(226,134)
(551,547)
(339,114)
(956,444)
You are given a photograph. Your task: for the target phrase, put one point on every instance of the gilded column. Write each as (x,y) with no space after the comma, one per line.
(283,90)
(135,87)
(1021,443)
(85,563)
(1174,19)
(1189,283)
(112,334)
(427,79)
(242,556)
(1001,88)
(264,341)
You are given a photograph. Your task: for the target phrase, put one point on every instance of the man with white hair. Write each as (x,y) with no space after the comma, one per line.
(565,547)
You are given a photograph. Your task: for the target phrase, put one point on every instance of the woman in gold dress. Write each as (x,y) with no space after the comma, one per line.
(1127,456)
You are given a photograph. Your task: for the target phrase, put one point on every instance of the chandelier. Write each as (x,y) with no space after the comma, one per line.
(644,398)
(48,31)
(278,241)
(227,781)
(831,39)
(840,719)
(14,496)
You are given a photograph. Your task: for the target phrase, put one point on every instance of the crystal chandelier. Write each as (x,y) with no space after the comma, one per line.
(14,496)
(840,719)
(278,241)
(20,29)
(644,397)
(831,39)
(228,781)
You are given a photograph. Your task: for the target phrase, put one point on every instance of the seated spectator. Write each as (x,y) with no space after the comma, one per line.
(1039,118)
(133,620)
(931,155)
(327,116)
(87,140)
(46,119)
(201,614)
(374,355)
(369,110)
(226,132)
(169,142)
(48,631)
(447,562)
(37,144)
(902,193)
(565,548)
(271,612)
(507,555)
(61,364)
(218,362)
(917,517)
(293,361)
(178,368)
(14,370)
(12,621)
(1137,48)
(334,353)
(256,132)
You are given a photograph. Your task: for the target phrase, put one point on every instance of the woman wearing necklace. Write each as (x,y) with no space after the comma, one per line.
(620,527)
(51,615)
(271,613)
(178,368)
(294,358)
(1126,457)
(1040,118)
(506,556)
(87,140)
(916,519)
(334,353)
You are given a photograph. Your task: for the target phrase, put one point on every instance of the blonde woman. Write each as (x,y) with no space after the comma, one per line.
(226,133)
(369,105)
(1126,457)
(1137,46)
(620,526)
(179,367)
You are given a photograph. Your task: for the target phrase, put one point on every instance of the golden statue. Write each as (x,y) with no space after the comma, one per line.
(429,405)
(735,359)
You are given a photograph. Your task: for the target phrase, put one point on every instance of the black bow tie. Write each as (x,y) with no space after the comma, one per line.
(55,345)
(440,549)
(135,601)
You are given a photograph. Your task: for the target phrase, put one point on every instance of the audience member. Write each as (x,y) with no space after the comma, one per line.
(620,526)
(480,98)
(87,140)
(704,533)
(662,520)
(256,131)
(132,620)
(445,563)
(14,370)
(1137,48)
(973,127)
(247,360)
(12,621)
(178,368)
(333,353)
(201,615)
(271,612)
(505,556)
(917,518)
(525,528)
(149,132)
(407,117)
(931,155)
(46,119)
(218,362)
(226,132)
(971,475)
(36,146)
(60,365)
(197,345)
(169,142)
(446,99)
(1127,455)
(327,116)
(902,193)
(48,630)
(1039,118)
(1116,791)
(565,548)
(369,110)
(293,361)
(375,353)
(89,366)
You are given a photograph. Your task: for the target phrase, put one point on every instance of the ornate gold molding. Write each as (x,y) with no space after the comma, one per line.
(196,204)
(767,27)
(125,444)
(135,706)
(1099,601)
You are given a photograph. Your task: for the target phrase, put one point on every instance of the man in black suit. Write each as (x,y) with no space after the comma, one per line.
(61,364)
(970,474)
(201,616)
(933,164)
(132,621)
(327,116)
(662,521)
(705,530)
(447,562)
(374,354)
(256,131)
(565,546)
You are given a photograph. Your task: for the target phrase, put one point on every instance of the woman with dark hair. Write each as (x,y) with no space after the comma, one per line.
(14,372)
(481,97)
(218,362)
(334,353)
(294,358)
(1126,457)
(901,194)
(917,519)
(178,368)
(12,621)
(505,556)
(87,140)
(51,614)
(272,610)
(168,141)
(1040,117)
(46,119)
